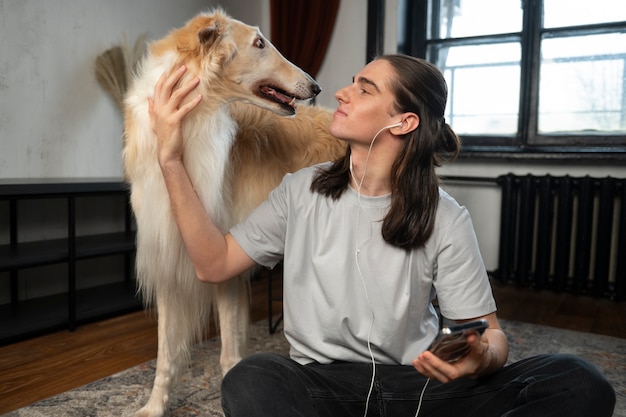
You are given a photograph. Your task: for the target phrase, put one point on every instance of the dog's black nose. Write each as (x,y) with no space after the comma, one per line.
(316,89)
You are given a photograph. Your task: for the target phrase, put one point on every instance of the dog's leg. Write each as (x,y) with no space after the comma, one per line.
(233,305)
(167,359)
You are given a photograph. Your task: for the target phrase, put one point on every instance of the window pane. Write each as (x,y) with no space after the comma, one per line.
(561,13)
(582,85)
(463,18)
(483,87)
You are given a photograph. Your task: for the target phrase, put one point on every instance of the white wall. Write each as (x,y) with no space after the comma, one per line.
(55,120)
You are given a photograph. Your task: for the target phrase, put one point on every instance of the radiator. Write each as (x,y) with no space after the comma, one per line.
(566,234)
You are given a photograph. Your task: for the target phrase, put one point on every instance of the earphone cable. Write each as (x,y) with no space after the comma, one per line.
(359,184)
(419,404)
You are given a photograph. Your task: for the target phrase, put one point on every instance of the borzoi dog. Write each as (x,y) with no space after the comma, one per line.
(234,153)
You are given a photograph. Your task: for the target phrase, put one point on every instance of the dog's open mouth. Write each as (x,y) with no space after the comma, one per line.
(279,97)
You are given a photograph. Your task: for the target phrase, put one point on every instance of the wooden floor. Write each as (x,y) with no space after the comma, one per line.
(39,368)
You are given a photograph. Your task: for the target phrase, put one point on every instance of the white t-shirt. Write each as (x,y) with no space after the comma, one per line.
(337,284)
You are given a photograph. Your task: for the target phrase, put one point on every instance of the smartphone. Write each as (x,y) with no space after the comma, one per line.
(450,344)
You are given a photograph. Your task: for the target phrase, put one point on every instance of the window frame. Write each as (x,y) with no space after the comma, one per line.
(528,143)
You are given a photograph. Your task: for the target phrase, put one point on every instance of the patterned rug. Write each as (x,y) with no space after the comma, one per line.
(198,392)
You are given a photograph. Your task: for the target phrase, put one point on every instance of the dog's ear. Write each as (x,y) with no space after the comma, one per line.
(208,35)
(216,38)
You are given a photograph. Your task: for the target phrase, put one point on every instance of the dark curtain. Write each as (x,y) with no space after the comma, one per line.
(301,30)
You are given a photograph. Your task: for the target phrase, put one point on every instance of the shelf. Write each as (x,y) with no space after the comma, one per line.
(31,254)
(33,317)
(22,317)
(47,187)
(101,245)
(106,301)
(43,315)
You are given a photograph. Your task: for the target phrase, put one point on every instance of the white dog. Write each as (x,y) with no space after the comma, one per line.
(235,154)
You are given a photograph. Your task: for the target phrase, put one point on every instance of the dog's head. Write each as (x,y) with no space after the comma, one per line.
(239,63)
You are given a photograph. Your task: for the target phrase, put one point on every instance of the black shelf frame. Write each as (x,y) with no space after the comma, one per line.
(22,319)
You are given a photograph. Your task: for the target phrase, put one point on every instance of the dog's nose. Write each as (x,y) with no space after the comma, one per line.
(316,89)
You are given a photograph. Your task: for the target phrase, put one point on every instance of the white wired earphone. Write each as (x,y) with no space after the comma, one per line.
(359,184)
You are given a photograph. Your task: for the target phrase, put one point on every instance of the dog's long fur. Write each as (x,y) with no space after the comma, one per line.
(234,153)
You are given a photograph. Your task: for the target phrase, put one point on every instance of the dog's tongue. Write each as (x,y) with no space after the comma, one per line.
(279,96)
(283,98)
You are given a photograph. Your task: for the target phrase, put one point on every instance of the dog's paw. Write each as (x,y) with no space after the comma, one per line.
(149,412)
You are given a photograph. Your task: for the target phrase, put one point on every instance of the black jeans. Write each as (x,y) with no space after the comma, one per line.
(549,385)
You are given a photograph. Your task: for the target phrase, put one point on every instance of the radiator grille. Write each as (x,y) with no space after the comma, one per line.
(567,234)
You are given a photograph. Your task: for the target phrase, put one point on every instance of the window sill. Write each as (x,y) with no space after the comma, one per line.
(607,155)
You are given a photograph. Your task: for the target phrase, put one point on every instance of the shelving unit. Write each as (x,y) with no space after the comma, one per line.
(22,318)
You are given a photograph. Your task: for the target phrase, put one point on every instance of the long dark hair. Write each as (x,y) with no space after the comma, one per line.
(418,87)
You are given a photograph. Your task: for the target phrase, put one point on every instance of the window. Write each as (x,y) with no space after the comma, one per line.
(527,77)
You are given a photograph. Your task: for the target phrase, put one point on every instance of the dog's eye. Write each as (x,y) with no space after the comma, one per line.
(259,43)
